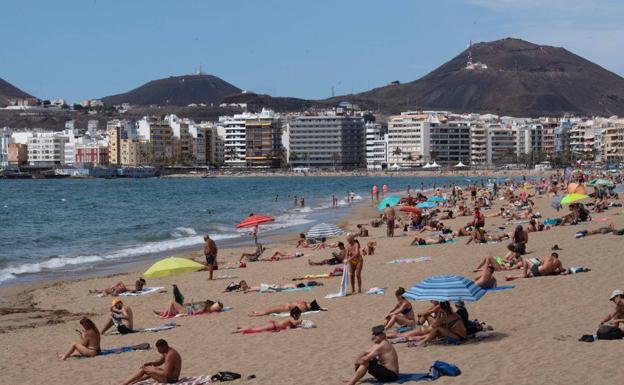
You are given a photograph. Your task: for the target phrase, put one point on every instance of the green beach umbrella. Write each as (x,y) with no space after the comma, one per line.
(172,265)
(601,182)
(571,198)
(391,200)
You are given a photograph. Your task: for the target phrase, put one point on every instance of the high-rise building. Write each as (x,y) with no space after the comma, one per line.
(478,143)
(263,140)
(614,141)
(17,154)
(501,144)
(449,142)
(408,139)
(46,149)
(376,147)
(234,140)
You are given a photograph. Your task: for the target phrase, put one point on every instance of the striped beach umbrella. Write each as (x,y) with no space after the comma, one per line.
(323,230)
(450,288)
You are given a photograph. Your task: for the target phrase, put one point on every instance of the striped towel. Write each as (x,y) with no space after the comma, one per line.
(197,380)
(167,326)
(409,260)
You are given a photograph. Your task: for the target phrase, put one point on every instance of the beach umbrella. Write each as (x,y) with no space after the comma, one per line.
(172,265)
(601,182)
(571,198)
(411,209)
(445,288)
(254,220)
(436,199)
(426,205)
(323,230)
(391,200)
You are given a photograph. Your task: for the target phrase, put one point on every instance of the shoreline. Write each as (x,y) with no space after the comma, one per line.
(278,173)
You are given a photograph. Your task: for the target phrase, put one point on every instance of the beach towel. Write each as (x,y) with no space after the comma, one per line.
(226,308)
(197,380)
(287,314)
(344,283)
(146,290)
(167,326)
(313,276)
(499,288)
(452,240)
(377,290)
(409,260)
(123,349)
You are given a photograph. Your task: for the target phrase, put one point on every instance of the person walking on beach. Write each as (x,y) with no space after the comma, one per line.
(210,252)
(390,215)
(164,370)
(121,317)
(381,360)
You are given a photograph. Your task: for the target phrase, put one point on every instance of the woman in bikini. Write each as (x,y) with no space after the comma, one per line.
(356,262)
(89,344)
(402,314)
(192,308)
(291,322)
(447,325)
(303,306)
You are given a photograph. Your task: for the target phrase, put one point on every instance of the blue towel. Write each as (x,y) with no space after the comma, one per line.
(498,288)
(403,378)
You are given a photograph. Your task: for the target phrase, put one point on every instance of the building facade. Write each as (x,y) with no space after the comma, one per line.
(263,141)
(46,149)
(408,139)
(17,154)
(376,147)
(450,142)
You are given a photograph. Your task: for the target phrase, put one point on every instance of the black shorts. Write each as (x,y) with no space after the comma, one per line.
(380,372)
(123,329)
(535,270)
(211,260)
(334,261)
(172,380)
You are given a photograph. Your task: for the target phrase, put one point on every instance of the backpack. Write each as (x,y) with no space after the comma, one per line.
(609,332)
(225,376)
(441,368)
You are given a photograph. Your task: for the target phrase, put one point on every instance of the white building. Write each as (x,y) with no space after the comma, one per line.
(408,139)
(478,143)
(46,149)
(376,147)
(5,139)
(501,144)
(234,139)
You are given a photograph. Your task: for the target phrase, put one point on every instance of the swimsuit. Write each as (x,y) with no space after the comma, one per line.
(211,259)
(172,380)
(535,270)
(380,372)
(406,311)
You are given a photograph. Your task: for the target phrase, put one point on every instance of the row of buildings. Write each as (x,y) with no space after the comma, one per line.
(341,138)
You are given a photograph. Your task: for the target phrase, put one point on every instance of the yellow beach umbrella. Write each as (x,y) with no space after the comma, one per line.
(172,265)
(571,198)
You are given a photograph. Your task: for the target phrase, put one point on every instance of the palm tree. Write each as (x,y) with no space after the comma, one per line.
(397,152)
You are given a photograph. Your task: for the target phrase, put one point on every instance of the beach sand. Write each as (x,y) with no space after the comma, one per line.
(536,325)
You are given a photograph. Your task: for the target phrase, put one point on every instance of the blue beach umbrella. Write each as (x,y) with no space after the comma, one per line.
(436,199)
(450,288)
(391,200)
(426,205)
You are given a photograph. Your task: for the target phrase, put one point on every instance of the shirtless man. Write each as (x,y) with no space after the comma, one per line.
(121,317)
(210,252)
(390,215)
(336,259)
(550,266)
(486,280)
(362,231)
(169,373)
(381,360)
(617,317)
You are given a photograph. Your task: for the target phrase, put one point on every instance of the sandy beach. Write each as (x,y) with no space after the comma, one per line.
(536,324)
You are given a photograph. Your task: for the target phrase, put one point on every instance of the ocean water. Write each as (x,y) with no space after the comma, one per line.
(59,228)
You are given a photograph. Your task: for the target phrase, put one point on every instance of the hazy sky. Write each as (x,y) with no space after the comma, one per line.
(77,49)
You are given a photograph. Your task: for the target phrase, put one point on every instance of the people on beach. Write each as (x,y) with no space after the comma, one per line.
(380,361)
(486,280)
(292,322)
(273,288)
(447,324)
(165,370)
(89,343)
(191,308)
(362,231)
(280,256)
(355,261)
(302,242)
(418,241)
(210,252)
(390,216)
(602,230)
(303,306)
(336,259)
(120,287)
(121,317)
(551,265)
(617,317)
(254,256)
(402,313)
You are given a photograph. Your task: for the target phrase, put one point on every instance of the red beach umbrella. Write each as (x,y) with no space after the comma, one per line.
(254,220)
(411,209)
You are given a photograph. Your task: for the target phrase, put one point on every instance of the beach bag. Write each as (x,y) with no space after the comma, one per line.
(225,376)
(177,295)
(441,368)
(609,332)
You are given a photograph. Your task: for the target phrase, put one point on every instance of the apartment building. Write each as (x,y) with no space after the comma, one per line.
(408,139)
(5,139)
(376,147)
(478,143)
(263,140)
(17,154)
(327,140)
(449,142)
(234,139)
(134,153)
(613,137)
(501,144)
(46,149)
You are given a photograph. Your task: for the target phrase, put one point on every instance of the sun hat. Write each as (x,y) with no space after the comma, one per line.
(616,293)
(116,301)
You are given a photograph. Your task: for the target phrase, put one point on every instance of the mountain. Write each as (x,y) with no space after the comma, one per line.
(9,91)
(177,91)
(521,79)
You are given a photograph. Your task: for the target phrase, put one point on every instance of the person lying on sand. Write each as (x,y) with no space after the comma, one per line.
(477,236)
(617,317)
(253,257)
(320,245)
(279,256)
(402,313)
(270,288)
(336,259)
(164,370)
(601,230)
(191,308)
(535,268)
(486,280)
(380,361)
(428,241)
(121,317)
(291,322)
(303,306)
(119,288)
(499,263)
(448,325)
(89,344)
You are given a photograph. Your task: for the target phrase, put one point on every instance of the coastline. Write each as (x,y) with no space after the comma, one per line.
(367,173)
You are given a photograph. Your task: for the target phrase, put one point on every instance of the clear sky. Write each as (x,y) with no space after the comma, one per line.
(77,49)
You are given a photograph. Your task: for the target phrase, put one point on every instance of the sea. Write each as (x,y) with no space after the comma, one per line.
(64,228)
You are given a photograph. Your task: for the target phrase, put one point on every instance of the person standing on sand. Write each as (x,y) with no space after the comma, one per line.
(355,261)
(381,360)
(375,193)
(390,215)
(121,317)
(169,373)
(384,190)
(210,252)
(89,344)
